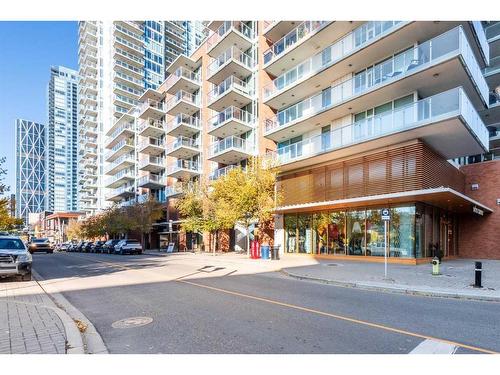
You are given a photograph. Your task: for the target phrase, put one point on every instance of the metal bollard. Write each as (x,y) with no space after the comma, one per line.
(435,266)
(478,274)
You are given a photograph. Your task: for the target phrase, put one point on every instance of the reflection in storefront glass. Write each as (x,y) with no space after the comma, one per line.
(355,221)
(375,244)
(402,232)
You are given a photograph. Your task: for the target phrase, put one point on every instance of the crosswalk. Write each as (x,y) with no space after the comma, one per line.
(434,347)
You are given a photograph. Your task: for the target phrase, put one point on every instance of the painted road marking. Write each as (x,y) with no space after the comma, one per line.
(317,312)
(434,347)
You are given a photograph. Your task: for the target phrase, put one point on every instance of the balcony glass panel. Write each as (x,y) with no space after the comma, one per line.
(232,113)
(184,164)
(226,27)
(231,82)
(182,118)
(184,96)
(349,44)
(231,53)
(441,106)
(292,38)
(227,144)
(397,67)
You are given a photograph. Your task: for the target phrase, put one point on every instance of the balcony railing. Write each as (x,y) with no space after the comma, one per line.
(182,118)
(433,109)
(179,73)
(222,172)
(231,82)
(151,160)
(150,103)
(152,178)
(151,142)
(126,173)
(128,32)
(173,190)
(182,142)
(292,38)
(119,145)
(451,43)
(182,164)
(225,28)
(158,124)
(124,189)
(228,143)
(127,157)
(356,40)
(183,96)
(127,126)
(494,98)
(231,53)
(232,113)
(494,66)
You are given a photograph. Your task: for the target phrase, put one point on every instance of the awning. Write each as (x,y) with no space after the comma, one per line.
(445,198)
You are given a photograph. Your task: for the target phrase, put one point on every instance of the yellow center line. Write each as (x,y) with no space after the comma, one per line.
(318,312)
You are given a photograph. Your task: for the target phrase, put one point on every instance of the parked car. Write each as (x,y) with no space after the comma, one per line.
(37,245)
(79,246)
(15,259)
(97,247)
(128,246)
(109,246)
(63,246)
(86,247)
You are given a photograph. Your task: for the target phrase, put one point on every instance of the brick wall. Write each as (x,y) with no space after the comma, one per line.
(479,237)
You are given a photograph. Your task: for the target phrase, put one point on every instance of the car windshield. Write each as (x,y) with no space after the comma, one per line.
(11,244)
(132,241)
(40,240)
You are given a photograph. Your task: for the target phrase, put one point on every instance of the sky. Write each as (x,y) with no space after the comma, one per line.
(27,51)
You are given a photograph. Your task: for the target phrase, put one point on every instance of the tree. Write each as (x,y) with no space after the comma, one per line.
(74,230)
(240,196)
(7,222)
(144,215)
(248,195)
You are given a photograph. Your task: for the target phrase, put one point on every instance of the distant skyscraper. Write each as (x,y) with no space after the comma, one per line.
(118,61)
(31,163)
(62,145)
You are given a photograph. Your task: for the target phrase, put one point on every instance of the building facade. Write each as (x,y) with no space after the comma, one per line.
(62,142)
(359,116)
(118,62)
(31,168)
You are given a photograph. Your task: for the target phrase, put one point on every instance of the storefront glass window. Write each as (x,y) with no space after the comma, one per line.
(402,232)
(290,233)
(336,233)
(320,227)
(305,233)
(375,244)
(356,242)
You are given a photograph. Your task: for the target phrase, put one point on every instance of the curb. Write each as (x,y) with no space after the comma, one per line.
(407,291)
(90,341)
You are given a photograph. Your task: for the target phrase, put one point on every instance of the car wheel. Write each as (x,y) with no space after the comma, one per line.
(26,277)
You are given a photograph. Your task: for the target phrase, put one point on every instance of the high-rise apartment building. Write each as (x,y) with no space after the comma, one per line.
(31,168)
(359,116)
(62,142)
(118,61)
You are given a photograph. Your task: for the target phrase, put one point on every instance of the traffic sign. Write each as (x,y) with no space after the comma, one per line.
(385,214)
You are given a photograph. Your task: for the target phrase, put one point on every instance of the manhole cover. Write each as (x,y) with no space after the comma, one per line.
(137,321)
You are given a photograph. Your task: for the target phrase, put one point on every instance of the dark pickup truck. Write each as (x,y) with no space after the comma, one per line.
(40,245)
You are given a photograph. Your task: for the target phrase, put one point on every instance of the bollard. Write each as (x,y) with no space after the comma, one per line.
(435,266)
(478,274)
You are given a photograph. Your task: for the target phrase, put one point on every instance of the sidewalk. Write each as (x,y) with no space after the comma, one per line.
(455,281)
(30,322)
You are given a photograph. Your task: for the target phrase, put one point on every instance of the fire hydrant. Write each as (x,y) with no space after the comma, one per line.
(435,266)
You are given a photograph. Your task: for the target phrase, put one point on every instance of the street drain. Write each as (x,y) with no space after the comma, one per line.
(137,321)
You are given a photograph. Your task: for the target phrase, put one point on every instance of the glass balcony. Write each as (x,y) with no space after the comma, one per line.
(119,149)
(183,148)
(292,38)
(183,125)
(123,131)
(182,77)
(183,169)
(120,163)
(494,99)
(229,150)
(231,121)
(222,172)
(152,181)
(354,41)
(120,178)
(120,193)
(436,50)
(151,109)
(152,146)
(183,102)
(151,128)
(242,37)
(450,111)
(231,90)
(232,61)
(173,190)
(153,164)
(493,68)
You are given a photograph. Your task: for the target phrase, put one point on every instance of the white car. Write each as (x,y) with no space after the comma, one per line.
(15,259)
(128,247)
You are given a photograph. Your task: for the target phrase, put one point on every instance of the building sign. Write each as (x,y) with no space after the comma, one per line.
(477,211)
(385,214)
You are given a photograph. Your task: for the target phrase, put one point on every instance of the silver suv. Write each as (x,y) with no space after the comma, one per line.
(128,247)
(15,259)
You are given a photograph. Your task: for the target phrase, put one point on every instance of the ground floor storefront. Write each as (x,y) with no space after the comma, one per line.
(415,231)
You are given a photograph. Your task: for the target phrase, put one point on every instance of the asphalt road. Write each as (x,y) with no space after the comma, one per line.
(259,313)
